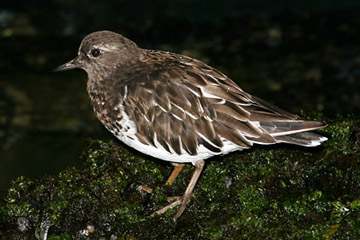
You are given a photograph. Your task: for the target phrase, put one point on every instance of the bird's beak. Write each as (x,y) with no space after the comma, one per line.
(75,63)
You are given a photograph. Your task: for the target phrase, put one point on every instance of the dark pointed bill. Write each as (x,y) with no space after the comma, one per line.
(69,65)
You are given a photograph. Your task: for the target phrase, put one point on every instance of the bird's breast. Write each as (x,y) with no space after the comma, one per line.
(109,114)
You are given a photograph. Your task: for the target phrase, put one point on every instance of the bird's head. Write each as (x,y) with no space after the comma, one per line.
(101,51)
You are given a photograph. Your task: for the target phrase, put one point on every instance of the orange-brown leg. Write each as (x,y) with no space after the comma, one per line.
(185,199)
(177,169)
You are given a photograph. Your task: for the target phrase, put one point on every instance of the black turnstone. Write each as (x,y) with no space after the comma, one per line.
(178,109)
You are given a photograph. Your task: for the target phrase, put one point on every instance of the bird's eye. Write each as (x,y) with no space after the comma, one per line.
(95,52)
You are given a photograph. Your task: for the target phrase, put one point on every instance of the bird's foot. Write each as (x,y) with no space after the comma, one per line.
(169,206)
(177,200)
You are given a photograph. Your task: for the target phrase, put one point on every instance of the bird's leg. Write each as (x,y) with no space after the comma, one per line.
(177,169)
(185,199)
(199,166)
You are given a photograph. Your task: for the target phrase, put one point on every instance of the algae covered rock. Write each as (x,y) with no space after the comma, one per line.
(273,192)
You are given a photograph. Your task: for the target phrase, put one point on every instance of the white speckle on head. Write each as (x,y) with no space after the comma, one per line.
(106,47)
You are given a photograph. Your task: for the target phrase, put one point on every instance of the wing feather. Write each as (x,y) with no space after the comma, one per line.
(185,104)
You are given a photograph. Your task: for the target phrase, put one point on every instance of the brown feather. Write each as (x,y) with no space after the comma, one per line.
(175,110)
(161,98)
(288,127)
(175,144)
(232,135)
(267,117)
(233,110)
(175,126)
(195,78)
(272,108)
(210,147)
(210,79)
(215,73)
(189,141)
(245,127)
(174,74)
(265,138)
(204,127)
(220,93)
(141,138)
(177,97)
(193,88)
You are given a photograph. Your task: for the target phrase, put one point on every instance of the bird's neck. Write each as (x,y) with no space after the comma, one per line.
(108,84)
(106,90)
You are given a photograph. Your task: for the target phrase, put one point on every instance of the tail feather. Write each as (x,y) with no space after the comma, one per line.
(286,128)
(295,132)
(307,139)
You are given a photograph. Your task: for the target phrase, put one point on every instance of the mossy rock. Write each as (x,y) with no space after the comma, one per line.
(272,192)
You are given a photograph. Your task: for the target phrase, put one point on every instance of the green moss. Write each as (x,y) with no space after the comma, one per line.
(271,192)
(61,237)
(340,133)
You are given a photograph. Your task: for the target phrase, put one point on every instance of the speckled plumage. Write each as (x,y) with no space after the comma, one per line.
(176,108)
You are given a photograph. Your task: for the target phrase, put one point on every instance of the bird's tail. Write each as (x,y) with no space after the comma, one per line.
(295,132)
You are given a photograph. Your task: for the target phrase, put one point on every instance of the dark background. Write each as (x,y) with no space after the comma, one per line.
(301,55)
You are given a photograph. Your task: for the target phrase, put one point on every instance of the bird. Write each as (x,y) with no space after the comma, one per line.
(177,108)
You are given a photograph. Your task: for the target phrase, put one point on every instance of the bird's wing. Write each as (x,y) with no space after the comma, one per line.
(182,106)
(181,109)
(174,115)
